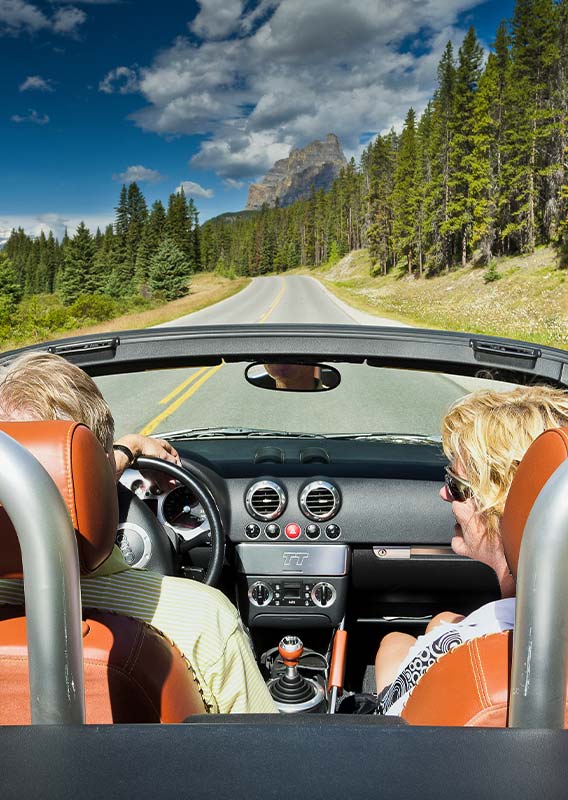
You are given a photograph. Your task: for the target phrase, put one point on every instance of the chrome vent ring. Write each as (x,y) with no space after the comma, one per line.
(265,500)
(320,500)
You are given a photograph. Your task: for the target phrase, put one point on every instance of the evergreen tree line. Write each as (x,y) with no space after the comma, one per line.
(146,253)
(482,172)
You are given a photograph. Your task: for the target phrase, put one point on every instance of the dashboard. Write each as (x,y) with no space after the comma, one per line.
(316,530)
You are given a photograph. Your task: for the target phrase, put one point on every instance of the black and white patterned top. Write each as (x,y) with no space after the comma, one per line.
(491,618)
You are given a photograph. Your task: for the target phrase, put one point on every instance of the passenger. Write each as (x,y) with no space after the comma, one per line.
(201,621)
(485,435)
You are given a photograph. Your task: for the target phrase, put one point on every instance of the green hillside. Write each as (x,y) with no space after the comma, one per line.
(528,299)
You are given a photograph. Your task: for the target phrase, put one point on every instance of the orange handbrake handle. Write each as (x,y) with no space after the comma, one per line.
(338,656)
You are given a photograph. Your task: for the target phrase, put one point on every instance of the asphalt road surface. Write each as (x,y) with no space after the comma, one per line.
(368,399)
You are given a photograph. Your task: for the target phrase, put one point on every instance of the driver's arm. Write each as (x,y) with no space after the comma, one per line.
(140,445)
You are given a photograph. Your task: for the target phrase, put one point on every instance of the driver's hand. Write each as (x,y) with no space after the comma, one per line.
(144,446)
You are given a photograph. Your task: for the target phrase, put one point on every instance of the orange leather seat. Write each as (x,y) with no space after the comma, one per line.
(132,672)
(470,685)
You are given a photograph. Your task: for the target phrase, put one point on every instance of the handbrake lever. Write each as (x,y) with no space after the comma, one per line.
(337,667)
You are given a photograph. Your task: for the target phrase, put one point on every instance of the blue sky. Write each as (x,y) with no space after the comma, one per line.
(206,94)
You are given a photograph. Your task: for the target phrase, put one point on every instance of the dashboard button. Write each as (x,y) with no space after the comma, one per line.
(272,530)
(333,531)
(312,530)
(292,530)
(252,531)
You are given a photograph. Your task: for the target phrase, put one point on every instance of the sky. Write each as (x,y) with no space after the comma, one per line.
(206,95)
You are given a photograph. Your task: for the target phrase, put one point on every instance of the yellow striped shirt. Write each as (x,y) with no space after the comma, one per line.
(202,622)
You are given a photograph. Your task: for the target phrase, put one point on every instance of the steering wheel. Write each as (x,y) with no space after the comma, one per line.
(135,516)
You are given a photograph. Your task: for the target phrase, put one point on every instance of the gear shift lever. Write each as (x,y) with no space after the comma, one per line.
(291,649)
(292,691)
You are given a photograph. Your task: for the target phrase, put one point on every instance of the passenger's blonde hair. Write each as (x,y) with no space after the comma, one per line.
(488,432)
(44,386)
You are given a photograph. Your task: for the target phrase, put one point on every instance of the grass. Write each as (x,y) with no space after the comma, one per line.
(529,301)
(207,288)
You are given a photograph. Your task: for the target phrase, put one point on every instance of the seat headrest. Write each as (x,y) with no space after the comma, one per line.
(541,460)
(78,464)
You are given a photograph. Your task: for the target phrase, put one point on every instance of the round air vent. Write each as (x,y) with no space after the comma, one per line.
(320,500)
(265,500)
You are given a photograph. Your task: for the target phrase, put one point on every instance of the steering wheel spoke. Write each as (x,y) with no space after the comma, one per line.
(213,533)
(202,539)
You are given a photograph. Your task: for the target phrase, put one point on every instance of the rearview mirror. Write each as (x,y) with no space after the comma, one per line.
(288,377)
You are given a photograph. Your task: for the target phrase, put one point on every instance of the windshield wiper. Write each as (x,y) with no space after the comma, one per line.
(223,433)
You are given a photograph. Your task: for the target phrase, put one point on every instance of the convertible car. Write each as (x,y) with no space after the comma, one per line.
(308,493)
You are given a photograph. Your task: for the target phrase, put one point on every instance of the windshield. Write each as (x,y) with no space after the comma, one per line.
(369,400)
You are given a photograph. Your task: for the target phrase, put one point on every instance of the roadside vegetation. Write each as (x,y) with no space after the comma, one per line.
(522,297)
(44,317)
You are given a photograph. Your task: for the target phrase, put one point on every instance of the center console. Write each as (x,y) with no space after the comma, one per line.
(304,585)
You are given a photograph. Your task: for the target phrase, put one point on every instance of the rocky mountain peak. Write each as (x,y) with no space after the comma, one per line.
(292,178)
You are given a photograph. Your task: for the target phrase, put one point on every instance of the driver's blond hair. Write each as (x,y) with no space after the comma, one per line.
(487,433)
(44,386)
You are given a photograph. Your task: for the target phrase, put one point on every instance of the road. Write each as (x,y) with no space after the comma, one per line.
(367,400)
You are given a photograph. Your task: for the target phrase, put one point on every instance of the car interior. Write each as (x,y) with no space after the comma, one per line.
(323,542)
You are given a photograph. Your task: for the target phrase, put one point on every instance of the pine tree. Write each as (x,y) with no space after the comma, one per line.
(406,194)
(53,262)
(438,192)
(458,223)
(10,286)
(103,260)
(531,118)
(169,271)
(178,224)
(77,277)
(137,215)
(193,214)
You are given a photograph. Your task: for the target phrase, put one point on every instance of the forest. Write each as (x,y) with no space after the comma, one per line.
(482,172)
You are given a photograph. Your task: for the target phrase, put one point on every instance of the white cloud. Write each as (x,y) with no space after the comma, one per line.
(191,189)
(290,71)
(237,155)
(139,174)
(18,16)
(68,19)
(231,183)
(121,79)
(32,117)
(36,82)
(217,18)
(33,225)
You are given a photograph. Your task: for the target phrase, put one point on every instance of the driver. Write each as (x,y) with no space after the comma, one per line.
(202,622)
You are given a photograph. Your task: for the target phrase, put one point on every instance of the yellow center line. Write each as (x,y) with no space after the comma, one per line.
(277,300)
(153,424)
(182,386)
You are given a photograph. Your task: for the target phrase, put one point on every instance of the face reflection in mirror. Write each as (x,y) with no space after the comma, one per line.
(293,377)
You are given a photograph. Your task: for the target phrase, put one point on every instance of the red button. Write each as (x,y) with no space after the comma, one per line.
(292,530)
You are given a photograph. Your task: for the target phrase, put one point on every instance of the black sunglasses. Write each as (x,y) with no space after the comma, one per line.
(459,488)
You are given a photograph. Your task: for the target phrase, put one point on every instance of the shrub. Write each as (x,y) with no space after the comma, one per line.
(491,273)
(93,307)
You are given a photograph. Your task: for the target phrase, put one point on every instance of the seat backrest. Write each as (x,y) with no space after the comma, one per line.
(470,685)
(78,464)
(132,672)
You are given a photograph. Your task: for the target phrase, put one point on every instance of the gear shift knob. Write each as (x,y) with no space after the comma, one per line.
(291,649)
